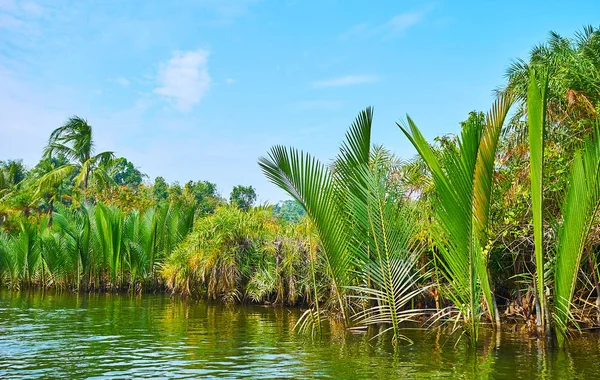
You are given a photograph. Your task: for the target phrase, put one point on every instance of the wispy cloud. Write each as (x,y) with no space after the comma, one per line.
(348,80)
(184,80)
(15,15)
(230,81)
(394,27)
(226,10)
(31,8)
(402,22)
(10,22)
(122,81)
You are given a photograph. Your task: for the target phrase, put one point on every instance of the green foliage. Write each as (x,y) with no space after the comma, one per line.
(242,197)
(462,177)
(160,190)
(360,234)
(236,255)
(536,105)
(12,172)
(74,141)
(365,238)
(96,247)
(579,210)
(124,173)
(289,210)
(204,194)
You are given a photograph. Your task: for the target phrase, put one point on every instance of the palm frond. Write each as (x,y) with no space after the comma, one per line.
(579,210)
(49,181)
(463,177)
(536,114)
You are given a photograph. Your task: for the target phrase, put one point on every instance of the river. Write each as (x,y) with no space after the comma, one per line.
(125,336)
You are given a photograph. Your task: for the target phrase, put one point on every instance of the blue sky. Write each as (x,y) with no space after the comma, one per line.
(199,89)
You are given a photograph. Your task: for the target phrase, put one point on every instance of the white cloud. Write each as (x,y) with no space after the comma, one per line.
(402,22)
(347,80)
(184,80)
(9,22)
(230,81)
(391,28)
(32,8)
(20,17)
(7,4)
(122,81)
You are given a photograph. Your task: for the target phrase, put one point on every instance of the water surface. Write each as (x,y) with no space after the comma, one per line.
(124,336)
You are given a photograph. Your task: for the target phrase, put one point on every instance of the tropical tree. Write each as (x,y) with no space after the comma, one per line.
(124,173)
(313,185)
(365,238)
(74,141)
(76,233)
(203,194)
(53,192)
(573,89)
(160,189)
(15,195)
(463,178)
(579,210)
(12,172)
(536,113)
(289,210)
(242,197)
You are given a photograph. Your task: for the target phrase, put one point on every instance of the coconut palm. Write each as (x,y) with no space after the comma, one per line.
(74,141)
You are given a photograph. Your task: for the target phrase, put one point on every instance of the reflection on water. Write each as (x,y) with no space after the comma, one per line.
(123,336)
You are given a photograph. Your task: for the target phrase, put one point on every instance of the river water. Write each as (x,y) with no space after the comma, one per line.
(124,336)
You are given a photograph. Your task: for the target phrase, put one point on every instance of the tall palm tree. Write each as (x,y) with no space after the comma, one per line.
(74,141)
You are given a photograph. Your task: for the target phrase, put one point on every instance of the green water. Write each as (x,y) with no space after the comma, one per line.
(121,336)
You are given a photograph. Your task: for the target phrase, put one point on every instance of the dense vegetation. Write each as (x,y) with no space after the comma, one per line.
(495,224)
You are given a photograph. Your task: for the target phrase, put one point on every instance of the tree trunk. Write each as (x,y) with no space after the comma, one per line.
(85,185)
(51,211)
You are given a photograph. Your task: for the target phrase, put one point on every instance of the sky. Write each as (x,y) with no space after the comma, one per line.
(200,89)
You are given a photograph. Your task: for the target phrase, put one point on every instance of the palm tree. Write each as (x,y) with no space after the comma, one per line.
(579,208)
(573,91)
(463,176)
(366,237)
(53,192)
(536,114)
(14,193)
(558,90)
(74,141)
